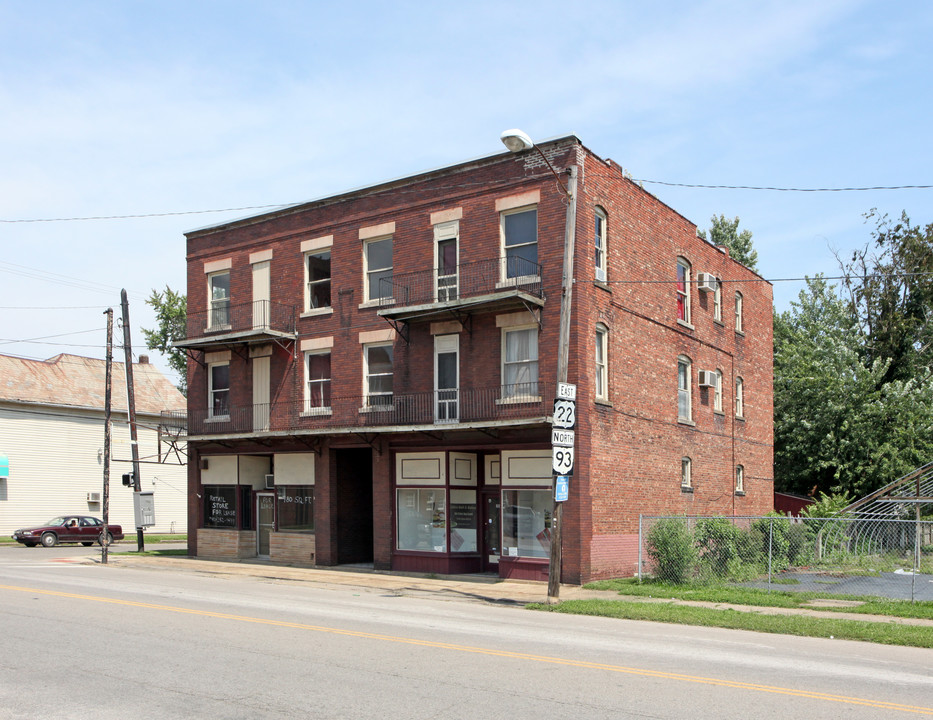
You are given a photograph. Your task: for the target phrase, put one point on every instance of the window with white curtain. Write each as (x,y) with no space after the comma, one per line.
(519,362)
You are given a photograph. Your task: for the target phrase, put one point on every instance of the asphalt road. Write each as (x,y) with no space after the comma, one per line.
(82,640)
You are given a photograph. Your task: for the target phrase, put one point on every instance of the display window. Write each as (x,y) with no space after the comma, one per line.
(526,523)
(422,519)
(294,508)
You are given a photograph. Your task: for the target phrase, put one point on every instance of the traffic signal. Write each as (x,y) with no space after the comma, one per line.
(128,479)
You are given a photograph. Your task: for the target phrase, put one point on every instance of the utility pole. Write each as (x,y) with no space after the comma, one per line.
(563,355)
(131,406)
(108,383)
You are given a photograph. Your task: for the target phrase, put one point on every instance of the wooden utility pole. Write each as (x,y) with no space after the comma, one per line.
(108,384)
(131,406)
(563,355)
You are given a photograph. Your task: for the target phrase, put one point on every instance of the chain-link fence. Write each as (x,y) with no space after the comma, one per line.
(824,556)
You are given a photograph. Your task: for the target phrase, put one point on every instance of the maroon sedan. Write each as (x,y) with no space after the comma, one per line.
(71,529)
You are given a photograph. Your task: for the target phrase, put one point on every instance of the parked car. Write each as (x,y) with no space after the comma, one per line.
(71,529)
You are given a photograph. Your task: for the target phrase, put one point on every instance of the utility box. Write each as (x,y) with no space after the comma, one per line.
(144,509)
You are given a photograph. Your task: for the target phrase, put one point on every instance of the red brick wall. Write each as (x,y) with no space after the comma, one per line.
(629,451)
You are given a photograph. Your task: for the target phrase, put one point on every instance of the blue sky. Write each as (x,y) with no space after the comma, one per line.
(143,108)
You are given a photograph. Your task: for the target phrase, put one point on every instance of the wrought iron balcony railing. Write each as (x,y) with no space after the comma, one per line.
(258,318)
(468,280)
(497,405)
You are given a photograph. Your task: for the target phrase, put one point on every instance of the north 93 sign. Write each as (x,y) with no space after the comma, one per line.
(562,460)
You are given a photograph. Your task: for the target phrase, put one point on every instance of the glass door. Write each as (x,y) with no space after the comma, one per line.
(446,236)
(265,522)
(492,535)
(447,378)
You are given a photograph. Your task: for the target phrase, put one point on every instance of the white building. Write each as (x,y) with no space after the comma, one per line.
(52,443)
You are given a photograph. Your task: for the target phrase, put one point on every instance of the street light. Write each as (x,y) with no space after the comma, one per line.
(517,141)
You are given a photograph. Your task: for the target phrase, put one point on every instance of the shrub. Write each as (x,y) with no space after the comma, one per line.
(670,547)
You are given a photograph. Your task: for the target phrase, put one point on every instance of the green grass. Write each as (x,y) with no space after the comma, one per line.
(756,597)
(876,632)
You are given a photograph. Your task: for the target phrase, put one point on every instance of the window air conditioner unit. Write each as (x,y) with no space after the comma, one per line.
(707,282)
(601,274)
(270,482)
(93,497)
(707,378)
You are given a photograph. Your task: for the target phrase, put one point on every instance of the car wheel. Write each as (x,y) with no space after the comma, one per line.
(49,539)
(109,538)
(87,544)
(29,544)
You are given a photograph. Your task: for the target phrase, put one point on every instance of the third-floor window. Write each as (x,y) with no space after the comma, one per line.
(317,265)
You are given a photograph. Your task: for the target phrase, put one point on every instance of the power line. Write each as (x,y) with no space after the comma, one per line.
(700,186)
(784,189)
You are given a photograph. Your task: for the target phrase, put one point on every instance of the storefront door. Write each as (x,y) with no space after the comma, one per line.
(492,534)
(265,522)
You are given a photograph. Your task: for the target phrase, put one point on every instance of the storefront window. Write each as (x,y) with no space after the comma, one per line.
(463,521)
(526,523)
(220,506)
(295,507)
(422,519)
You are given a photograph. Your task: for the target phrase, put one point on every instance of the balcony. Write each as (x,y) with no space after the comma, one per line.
(488,285)
(247,323)
(524,404)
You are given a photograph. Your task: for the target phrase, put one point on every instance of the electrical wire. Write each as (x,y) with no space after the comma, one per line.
(701,186)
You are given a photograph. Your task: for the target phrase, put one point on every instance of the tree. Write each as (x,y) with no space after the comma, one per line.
(726,232)
(171,314)
(841,426)
(890,294)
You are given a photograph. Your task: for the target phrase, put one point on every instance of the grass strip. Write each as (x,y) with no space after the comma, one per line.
(756,597)
(886,633)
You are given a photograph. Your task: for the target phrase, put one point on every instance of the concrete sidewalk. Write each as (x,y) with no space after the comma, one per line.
(478,588)
(471,588)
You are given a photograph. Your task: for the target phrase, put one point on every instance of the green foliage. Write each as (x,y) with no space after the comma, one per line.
(827,505)
(840,425)
(171,314)
(670,547)
(890,294)
(725,551)
(726,233)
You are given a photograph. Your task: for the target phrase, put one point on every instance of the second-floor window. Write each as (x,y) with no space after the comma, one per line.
(317,383)
(520,243)
(377,262)
(599,232)
(317,267)
(683,290)
(717,391)
(519,362)
(377,368)
(739,398)
(219,291)
(717,302)
(218,390)
(684,393)
(601,381)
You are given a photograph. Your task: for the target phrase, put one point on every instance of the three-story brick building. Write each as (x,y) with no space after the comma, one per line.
(372,374)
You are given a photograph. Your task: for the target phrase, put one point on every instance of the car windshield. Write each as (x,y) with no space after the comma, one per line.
(56,521)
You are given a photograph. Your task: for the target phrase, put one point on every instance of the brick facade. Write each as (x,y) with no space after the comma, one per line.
(629,445)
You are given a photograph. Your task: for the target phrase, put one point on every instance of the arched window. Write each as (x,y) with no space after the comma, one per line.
(717,391)
(739,398)
(740,478)
(683,290)
(599,233)
(684,391)
(739,327)
(686,472)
